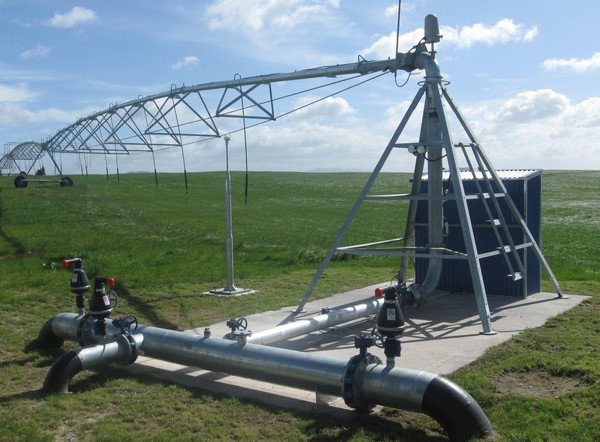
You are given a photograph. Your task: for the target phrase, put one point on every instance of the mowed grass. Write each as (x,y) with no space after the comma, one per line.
(165,246)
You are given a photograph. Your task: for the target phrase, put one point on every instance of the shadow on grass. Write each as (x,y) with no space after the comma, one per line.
(326,424)
(143,307)
(32,395)
(15,243)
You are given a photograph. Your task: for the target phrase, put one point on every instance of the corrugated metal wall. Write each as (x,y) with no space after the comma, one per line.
(524,187)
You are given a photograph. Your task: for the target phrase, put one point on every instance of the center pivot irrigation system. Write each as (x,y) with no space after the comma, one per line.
(172,118)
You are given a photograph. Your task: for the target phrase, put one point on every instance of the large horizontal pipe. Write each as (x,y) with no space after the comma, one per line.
(373,384)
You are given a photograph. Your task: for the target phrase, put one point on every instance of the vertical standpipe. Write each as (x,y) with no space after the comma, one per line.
(431,139)
(230,288)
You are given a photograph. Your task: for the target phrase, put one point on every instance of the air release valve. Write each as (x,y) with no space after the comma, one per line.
(79,282)
(390,322)
(101,304)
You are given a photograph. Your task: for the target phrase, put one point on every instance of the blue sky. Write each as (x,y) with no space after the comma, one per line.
(524,73)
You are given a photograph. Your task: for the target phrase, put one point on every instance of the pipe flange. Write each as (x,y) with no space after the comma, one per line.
(80,326)
(133,349)
(355,368)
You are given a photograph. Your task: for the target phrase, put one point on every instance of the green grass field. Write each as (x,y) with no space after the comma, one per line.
(165,247)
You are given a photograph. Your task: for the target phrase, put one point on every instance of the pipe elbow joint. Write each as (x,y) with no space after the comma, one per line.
(456,410)
(414,296)
(426,61)
(47,338)
(123,351)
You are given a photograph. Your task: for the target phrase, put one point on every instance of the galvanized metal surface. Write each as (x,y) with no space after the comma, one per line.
(322,321)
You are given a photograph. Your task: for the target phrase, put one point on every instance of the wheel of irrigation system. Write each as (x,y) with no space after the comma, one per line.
(20,181)
(66,182)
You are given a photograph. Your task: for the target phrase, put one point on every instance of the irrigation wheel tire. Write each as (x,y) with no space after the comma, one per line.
(66,182)
(20,181)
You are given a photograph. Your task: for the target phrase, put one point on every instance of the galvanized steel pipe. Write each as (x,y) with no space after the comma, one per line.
(373,384)
(324,320)
(431,137)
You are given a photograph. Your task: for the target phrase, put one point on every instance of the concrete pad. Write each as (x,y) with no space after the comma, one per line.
(442,336)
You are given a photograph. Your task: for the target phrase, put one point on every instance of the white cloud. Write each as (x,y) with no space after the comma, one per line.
(75,17)
(330,107)
(575,64)
(15,94)
(384,47)
(190,60)
(39,51)
(391,11)
(266,14)
(504,31)
(536,129)
(533,105)
(15,114)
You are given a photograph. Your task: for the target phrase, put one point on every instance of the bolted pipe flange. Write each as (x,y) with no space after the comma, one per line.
(133,348)
(241,336)
(355,368)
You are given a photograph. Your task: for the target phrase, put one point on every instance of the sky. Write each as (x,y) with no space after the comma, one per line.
(523,73)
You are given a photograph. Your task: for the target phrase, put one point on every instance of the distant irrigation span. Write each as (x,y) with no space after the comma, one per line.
(187,115)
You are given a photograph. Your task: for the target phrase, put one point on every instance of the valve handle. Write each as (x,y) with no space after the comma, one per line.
(125,323)
(113,298)
(237,324)
(78,262)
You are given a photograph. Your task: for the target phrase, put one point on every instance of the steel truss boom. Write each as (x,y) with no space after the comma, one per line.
(183,115)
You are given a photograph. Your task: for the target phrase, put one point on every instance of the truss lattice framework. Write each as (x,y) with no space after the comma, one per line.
(28,151)
(184,115)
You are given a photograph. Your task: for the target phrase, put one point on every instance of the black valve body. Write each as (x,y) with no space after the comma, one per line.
(390,322)
(100,307)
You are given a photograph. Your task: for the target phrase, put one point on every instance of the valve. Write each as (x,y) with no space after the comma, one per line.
(101,304)
(238,330)
(363,342)
(390,322)
(127,323)
(237,324)
(79,282)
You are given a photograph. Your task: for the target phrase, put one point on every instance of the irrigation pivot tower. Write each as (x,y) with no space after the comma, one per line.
(184,116)
(463,160)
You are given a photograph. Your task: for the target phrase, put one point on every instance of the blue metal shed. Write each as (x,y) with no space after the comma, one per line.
(524,188)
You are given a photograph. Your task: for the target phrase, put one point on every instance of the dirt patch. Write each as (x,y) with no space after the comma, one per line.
(538,384)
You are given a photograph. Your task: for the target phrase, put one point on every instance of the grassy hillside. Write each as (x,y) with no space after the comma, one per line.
(165,247)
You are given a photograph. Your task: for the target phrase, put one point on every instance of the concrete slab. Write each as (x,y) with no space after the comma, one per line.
(442,336)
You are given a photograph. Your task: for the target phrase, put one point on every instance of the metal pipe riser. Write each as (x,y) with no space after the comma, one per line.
(431,136)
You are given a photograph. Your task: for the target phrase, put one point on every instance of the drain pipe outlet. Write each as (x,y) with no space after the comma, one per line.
(123,351)
(441,399)
(47,338)
(63,327)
